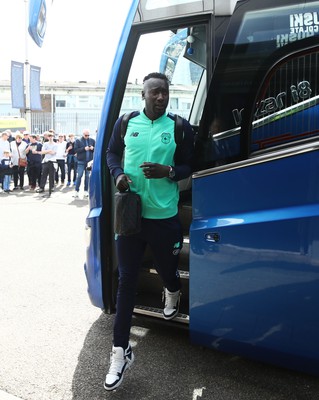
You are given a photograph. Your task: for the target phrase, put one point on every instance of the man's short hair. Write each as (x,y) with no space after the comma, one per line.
(156,75)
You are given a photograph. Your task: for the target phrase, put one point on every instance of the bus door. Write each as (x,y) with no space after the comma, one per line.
(169,53)
(254,256)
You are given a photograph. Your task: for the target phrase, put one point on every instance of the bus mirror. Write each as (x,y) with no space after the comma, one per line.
(37,20)
(195,50)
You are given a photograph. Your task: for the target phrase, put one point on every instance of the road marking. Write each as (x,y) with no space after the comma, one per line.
(7,396)
(198,392)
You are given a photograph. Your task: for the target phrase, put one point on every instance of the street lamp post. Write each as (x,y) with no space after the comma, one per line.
(27,69)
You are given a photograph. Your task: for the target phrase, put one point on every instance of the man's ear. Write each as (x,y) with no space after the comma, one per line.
(143,95)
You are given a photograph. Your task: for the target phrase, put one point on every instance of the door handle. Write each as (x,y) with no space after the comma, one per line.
(212,237)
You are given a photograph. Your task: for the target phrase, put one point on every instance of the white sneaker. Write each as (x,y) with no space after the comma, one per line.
(1,190)
(76,195)
(172,300)
(86,194)
(119,362)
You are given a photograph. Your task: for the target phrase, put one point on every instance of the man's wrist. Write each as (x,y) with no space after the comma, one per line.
(171,172)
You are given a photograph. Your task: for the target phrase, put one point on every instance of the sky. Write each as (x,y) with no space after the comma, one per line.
(79,44)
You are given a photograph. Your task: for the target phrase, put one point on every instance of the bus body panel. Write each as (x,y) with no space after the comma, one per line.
(93,254)
(254,261)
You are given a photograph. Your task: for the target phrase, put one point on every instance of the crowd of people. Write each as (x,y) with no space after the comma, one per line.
(44,159)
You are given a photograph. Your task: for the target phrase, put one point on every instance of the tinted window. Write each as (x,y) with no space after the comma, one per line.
(258,37)
(288,106)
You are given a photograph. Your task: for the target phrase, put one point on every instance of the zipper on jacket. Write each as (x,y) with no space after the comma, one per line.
(147,181)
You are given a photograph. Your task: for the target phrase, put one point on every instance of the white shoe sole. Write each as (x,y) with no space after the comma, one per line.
(167,318)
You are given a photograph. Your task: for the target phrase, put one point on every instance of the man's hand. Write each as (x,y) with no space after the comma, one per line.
(122,182)
(154,170)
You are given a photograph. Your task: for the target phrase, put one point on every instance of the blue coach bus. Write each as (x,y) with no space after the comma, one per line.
(246,74)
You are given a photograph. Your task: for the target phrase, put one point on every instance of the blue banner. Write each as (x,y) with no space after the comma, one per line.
(17,85)
(35,98)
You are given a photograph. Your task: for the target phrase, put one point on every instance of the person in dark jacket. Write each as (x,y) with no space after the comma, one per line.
(150,162)
(71,159)
(34,162)
(84,149)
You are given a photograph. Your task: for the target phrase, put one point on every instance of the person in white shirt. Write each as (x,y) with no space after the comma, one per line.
(49,150)
(4,146)
(60,157)
(19,150)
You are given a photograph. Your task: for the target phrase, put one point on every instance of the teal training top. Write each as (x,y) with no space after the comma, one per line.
(151,141)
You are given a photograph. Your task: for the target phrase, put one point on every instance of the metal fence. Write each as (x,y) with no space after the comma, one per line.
(73,122)
(61,122)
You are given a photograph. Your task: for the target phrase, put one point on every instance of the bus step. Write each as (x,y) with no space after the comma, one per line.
(182,274)
(158,313)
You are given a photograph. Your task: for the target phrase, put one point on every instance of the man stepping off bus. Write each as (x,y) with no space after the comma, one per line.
(153,164)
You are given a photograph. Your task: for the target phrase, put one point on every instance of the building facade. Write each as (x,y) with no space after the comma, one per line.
(71,107)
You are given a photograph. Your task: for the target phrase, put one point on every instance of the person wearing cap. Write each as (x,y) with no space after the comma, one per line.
(26,137)
(10,137)
(49,150)
(71,159)
(45,137)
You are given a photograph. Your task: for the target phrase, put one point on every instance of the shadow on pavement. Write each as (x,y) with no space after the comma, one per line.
(167,366)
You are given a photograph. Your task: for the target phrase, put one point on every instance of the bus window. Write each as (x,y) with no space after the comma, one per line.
(168,52)
(288,108)
(253,45)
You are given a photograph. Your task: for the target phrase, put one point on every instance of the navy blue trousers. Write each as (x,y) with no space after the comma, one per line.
(165,238)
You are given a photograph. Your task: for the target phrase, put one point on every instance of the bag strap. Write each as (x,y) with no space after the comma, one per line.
(178,127)
(178,130)
(126,117)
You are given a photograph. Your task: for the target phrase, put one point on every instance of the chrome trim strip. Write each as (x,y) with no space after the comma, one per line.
(276,155)
(158,313)
(271,118)
(183,274)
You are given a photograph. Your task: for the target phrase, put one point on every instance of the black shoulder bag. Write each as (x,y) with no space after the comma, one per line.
(128,213)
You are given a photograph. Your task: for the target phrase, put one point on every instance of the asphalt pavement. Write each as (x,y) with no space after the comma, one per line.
(54,345)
